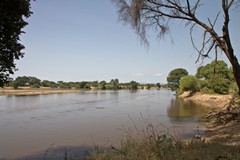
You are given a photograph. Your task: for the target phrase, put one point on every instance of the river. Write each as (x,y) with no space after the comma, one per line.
(29,125)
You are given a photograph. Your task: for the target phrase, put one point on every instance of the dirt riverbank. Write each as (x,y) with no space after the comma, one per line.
(225,133)
(31,91)
(211,101)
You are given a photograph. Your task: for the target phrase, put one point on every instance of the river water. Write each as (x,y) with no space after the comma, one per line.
(30,125)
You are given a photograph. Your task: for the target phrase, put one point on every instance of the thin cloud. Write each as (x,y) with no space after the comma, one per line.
(106,75)
(158,74)
(137,74)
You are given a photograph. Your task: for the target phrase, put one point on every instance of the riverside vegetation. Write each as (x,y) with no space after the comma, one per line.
(28,85)
(114,84)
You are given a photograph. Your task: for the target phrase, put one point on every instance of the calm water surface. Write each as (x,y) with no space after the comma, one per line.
(30,124)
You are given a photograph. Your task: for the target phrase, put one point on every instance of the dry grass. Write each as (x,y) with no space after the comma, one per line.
(149,143)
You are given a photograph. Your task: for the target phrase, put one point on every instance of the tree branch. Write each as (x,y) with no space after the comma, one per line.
(230,4)
(195,7)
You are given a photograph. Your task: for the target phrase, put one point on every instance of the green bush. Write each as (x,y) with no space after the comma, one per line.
(219,85)
(15,85)
(204,84)
(206,90)
(233,88)
(35,86)
(189,83)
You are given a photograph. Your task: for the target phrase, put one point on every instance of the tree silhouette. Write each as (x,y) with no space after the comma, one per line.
(12,13)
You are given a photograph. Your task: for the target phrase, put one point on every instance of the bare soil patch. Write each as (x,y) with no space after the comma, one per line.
(212,101)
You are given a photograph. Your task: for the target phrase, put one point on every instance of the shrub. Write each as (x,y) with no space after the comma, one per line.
(15,85)
(35,86)
(206,90)
(189,83)
(204,83)
(219,85)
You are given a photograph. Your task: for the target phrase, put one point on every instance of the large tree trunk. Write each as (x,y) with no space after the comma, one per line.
(227,48)
(236,71)
(226,44)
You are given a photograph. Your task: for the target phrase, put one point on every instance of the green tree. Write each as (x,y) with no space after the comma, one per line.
(219,84)
(63,85)
(133,85)
(22,81)
(102,85)
(158,14)
(15,84)
(53,84)
(219,68)
(218,76)
(94,84)
(82,84)
(174,77)
(114,84)
(189,83)
(158,85)
(13,14)
(45,83)
(33,81)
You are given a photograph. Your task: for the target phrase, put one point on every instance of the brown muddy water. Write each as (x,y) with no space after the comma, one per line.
(29,125)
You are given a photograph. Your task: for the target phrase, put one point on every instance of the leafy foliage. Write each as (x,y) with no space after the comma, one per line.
(217,75)
(219,68)
(189,83)
(133,85)
(158,85)
(174,77)
(114,84)
(27,81)
(12,13)
(214,77)
(219,84)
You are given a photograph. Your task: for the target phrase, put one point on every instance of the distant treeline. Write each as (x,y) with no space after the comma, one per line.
(114,84)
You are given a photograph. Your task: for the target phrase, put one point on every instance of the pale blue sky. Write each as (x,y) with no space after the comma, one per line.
(79,40)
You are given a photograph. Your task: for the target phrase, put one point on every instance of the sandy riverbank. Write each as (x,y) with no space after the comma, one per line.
(212,101)
(225,133)
(31,91)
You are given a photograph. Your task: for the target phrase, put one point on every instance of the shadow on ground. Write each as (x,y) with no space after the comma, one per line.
(226,134)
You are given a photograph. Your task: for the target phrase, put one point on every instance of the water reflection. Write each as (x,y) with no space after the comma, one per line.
(181,110)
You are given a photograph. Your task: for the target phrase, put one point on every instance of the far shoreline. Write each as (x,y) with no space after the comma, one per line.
(27,91)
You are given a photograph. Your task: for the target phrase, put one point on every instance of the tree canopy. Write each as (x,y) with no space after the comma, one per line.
(12,21)
(174,77)
(189,83)
(214,77)
(143,14)
(219,68)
